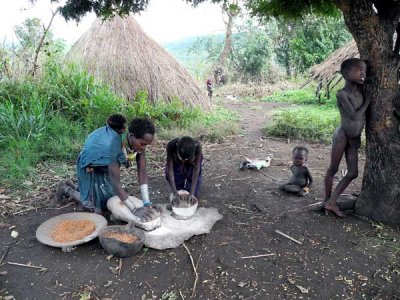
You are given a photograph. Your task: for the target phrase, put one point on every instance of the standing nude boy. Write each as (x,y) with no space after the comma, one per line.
(347,138)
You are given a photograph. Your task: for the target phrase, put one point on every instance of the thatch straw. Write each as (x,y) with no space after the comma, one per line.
(328,69)
(120,54)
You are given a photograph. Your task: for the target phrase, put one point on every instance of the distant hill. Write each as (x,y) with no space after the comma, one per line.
(195,63)
(179,49)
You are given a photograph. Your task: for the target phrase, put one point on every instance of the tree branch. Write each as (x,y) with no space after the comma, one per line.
(46,30)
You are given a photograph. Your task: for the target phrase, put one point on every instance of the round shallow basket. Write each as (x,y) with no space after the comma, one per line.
(43,233)
(119,248)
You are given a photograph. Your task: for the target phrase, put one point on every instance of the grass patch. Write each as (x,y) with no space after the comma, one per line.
(312,123)
(213,126)
(300,96)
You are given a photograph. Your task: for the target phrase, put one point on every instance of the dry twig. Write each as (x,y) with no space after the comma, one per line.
(120,266)
(24,210)
(256,256)
(42,269)
(288,237)
(194,269)
(6,248)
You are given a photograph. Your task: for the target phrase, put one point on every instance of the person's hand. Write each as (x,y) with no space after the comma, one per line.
(191,199)
(175,200)
(153,206)
(146,214)
(129,204)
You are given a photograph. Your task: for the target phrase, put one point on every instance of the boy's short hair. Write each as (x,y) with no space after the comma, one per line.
(117,122)
(300,148)
(141,126)
(349,63)
(186,147)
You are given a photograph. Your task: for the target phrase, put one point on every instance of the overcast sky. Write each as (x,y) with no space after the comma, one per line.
(164,20)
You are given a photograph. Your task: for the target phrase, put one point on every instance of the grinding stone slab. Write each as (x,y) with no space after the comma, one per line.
(173,232)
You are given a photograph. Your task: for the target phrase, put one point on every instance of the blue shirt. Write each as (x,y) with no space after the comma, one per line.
(102,148)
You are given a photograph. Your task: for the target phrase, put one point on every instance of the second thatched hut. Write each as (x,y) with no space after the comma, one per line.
(120,54)
(326,72)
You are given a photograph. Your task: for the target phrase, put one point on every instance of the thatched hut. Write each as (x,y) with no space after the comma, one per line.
(329,70)
(120,54)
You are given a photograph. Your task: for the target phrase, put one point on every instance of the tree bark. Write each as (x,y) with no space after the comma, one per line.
(373,32)
(228,41)
(37,51)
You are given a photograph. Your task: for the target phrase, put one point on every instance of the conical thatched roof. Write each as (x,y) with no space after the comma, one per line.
(328,69)
(119,53)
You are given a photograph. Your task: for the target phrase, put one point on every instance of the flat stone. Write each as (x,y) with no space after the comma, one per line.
(173,232)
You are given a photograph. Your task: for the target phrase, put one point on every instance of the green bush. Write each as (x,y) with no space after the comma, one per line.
(311,123)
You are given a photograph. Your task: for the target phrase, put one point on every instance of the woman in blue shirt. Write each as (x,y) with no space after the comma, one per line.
(98,164)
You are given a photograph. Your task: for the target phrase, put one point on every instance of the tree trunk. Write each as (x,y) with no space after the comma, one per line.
(373,33)
(228,41)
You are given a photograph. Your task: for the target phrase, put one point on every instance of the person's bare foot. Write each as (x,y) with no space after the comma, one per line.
(61,192)
(334,209)
(71,184)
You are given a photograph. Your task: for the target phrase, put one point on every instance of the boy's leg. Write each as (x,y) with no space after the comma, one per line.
(338,147)
(351,155)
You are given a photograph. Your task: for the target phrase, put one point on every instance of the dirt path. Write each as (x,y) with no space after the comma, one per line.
(338,258)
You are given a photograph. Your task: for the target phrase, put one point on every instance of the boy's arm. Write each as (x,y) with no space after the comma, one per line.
(196,170)
(344,102)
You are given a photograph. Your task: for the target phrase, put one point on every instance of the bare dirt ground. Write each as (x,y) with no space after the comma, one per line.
(348,258)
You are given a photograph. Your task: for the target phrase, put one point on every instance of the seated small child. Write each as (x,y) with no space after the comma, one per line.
(184,165)
(301,180)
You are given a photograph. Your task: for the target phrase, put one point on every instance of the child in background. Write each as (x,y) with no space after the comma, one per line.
(301,179)
(209,88)
(184,166)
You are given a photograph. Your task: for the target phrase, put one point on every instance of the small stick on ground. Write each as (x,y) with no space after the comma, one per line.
(24,210)
(194,269)
(58,208)
(120,266)
(216,177)
(255,295)
(256,256)
(288,237)
(244,178)
(6,248)
(267,175)
(27,266)
(180,293)
(237,207)
(298,209)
